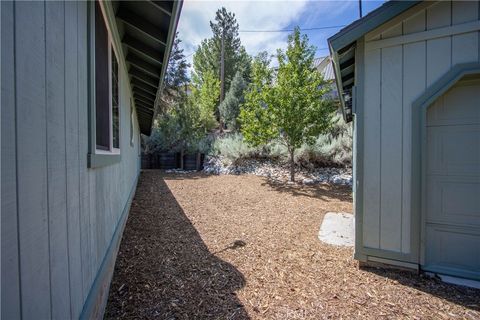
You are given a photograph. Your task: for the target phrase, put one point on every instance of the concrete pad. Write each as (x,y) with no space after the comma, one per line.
(460,281)
(338,229)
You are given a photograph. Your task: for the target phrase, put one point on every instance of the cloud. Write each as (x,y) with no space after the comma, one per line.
(261,15)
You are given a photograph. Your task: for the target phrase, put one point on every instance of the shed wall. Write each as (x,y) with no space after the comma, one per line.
(403,58)
(58,216)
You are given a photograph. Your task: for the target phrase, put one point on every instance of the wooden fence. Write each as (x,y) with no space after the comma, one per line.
(171,160)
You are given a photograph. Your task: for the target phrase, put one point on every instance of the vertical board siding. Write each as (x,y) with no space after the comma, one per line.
(82,140)
(439,51)
(371,184)
(464,46)
(390,145)
(55,64)
(10,302)
(32,160)
(72,106)
(394,77)
(391,149)
(58,216)
(413,86)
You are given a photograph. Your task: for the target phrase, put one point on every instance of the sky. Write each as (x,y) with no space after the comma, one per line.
(194,24)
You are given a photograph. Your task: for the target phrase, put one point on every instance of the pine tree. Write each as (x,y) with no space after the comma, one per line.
(207,56)
(230,107)
(176,77)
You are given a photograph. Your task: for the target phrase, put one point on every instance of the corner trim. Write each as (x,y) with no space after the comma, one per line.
(94,306)
(358,122)
(419,144)
(95,160)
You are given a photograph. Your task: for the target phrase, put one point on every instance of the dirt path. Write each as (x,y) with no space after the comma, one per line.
(238,247)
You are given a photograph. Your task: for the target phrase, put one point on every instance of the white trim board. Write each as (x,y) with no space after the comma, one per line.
(424,35)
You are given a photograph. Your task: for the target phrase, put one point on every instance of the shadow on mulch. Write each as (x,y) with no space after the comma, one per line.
(324,192)
(464,296)
(164,270)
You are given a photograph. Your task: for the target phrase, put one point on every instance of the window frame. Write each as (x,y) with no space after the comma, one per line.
(98,157)
(110,93)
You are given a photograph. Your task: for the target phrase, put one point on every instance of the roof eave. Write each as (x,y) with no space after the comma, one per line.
(177,8)
(356,30)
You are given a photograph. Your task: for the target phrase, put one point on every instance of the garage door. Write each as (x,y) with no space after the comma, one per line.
(452,211)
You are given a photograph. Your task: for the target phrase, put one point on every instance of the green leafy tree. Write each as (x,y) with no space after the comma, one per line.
(255,118)
(205,98)
(292,110)
(207,57)
(230,107)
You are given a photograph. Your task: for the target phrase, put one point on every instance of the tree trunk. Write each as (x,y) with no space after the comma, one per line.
(222,79)
(181,160)
(292,165)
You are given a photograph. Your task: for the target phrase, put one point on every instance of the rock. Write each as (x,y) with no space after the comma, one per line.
(277,171)
(308,181)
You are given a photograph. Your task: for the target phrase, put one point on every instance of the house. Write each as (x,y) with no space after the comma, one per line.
(324,65)
(408,75)
(80,81)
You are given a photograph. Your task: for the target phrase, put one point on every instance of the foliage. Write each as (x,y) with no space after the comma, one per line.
(176,74)
(233,147)
(230,107)
(204,98)
(255,116)
(332,149)
(176,77)
(293,109)
(207,57)
(187,120)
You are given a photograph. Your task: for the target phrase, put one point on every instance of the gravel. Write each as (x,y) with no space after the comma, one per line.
(277,171)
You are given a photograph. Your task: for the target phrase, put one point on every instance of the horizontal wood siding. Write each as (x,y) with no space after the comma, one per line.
(395,76)
(58,216)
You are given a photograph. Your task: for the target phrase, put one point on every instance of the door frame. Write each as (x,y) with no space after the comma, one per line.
(419,145)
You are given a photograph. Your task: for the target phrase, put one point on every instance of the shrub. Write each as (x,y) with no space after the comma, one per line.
(234,148)
(332,149)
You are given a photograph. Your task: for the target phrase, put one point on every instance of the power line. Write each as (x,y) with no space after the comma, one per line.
(290,30)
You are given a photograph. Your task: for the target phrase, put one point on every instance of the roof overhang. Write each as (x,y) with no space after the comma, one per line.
(147,30)
(342,47)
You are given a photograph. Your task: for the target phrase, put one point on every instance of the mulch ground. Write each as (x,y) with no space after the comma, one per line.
(241,247)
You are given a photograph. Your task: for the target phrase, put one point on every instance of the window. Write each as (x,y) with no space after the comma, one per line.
(131,123)
(104,100)
(107,112)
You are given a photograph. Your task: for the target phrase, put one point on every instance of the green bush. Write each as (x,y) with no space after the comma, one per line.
(332,149)
(233,147)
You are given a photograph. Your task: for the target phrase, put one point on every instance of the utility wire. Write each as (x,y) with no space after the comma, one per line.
(290,30)
(287,30)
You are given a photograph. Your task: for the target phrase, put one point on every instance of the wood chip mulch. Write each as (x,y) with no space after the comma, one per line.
(241,247)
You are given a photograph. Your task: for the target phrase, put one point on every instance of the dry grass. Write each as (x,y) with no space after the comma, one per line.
(239,247)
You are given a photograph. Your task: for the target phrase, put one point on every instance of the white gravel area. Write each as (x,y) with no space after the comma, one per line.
(279,172)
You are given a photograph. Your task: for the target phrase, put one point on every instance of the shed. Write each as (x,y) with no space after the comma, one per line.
(408,75)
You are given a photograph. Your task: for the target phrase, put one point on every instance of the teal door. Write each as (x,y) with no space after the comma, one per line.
(452,199)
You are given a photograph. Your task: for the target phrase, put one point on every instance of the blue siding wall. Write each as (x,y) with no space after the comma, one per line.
(58,216)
